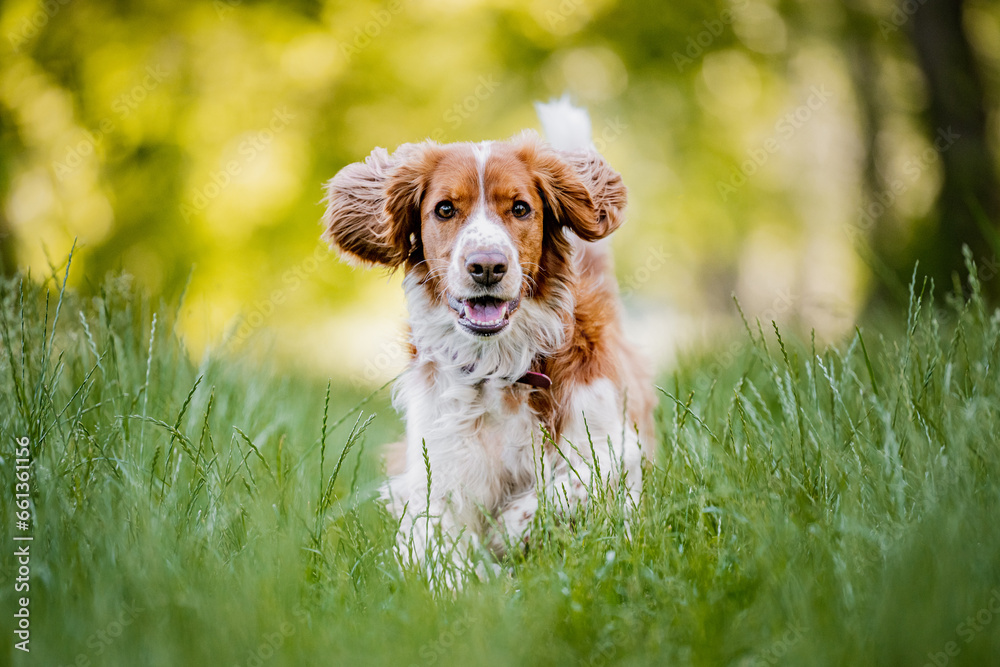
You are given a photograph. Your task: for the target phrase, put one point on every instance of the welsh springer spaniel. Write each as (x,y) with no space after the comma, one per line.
(519,373)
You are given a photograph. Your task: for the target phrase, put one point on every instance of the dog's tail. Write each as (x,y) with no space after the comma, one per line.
(567,127)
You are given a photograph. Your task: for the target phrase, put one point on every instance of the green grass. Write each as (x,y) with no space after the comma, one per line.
(834,506)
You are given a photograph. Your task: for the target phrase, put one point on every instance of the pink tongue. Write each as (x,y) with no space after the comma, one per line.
(485,312)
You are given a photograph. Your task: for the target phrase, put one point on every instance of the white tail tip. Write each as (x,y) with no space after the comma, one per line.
(566,127)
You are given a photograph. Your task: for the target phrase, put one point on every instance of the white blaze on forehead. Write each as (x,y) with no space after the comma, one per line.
(482,152)
(483,231)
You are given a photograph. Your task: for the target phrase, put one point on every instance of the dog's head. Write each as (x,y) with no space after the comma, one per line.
(480,225)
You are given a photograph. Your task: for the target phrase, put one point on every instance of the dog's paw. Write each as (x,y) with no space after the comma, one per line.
(514,523)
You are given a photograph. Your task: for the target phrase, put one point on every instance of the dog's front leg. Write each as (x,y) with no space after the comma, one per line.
(598,448)
(598,454)
(513,524)
(429,536)
(600,462)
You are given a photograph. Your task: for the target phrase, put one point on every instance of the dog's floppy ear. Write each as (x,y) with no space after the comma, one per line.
(404,193)
(372,207)
(607,193)
(580,188)
(355,219)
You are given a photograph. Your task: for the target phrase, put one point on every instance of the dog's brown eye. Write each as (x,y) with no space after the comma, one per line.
(444,210)
(520,209)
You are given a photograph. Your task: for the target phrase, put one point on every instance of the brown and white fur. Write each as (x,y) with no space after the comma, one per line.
(506,276)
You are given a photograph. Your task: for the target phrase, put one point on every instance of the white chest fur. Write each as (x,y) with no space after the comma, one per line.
(481,437)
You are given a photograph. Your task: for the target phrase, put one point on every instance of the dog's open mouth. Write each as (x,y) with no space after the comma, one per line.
(483,315)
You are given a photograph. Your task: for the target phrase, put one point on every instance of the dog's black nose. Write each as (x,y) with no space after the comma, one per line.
(486,268)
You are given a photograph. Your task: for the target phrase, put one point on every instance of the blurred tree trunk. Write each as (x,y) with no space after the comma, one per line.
(8,261)
(968,207)
(859,36)
(10,146)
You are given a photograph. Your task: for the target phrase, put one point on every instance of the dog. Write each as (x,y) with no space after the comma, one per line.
(520,381)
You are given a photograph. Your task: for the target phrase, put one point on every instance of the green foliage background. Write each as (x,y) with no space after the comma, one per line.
(186,143)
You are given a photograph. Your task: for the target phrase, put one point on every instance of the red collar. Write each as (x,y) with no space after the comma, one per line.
(531,378)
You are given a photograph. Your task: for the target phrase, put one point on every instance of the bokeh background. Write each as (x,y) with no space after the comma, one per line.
(800,154)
